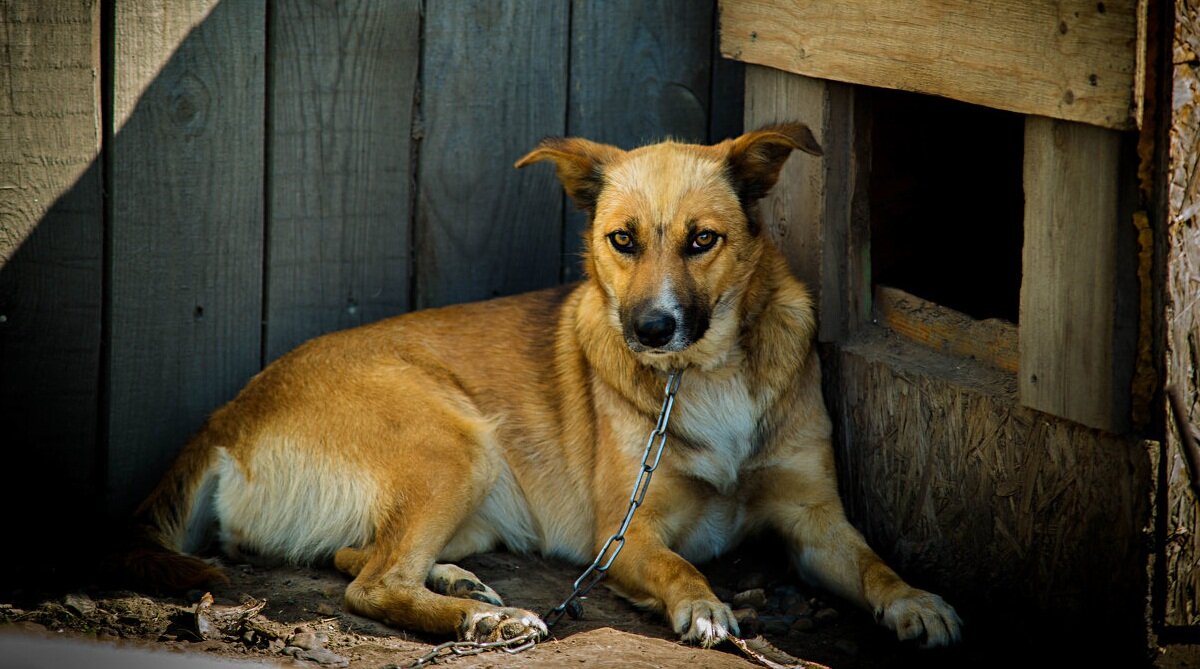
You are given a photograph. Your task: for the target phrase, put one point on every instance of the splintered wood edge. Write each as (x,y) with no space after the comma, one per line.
(992,341)
(760,650)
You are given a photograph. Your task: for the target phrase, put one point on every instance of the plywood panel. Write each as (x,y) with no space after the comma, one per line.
(640,72)
(1009,513)
(51,244)
(1182,314)
(1070,359)
(494,83)
(341,103)
(1068,59)
(187,226)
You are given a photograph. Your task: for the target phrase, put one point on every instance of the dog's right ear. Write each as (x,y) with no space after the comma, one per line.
(580,166)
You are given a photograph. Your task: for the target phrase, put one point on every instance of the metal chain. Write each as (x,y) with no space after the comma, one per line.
(595,572)
(464,648)
(650,459)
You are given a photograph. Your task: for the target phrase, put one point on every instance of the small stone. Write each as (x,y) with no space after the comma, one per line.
(751,581)
(79,604)
(798,607)
(825,615)
(30,626)
(776,625)
(803,624)
(308,640)
(744,614)
(325,609)
(755,598)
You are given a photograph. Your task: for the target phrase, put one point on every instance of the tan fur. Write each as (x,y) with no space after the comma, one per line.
(521,421)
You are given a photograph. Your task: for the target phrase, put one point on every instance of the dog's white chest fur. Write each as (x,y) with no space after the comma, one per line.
(719,416)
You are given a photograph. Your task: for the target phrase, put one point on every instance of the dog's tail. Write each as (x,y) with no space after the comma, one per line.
(173,519)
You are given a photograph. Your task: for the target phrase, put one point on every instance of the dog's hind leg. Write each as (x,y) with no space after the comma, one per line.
(396,579)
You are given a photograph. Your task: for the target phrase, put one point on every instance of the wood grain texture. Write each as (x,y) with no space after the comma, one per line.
(1011,514)
(1069,355)
(1182,314)
(187,228)
(640,72)
(992,341)
(494,84)
(793,212)
(339,173)
(51,232)
(1067,59)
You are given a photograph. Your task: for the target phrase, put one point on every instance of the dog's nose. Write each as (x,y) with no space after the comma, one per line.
(654,328)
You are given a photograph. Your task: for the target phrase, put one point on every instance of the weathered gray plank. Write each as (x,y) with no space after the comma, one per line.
(728,90)
(494,83)
(640,72)
(187,228)
(51,231)
(341,102)
(1069,355)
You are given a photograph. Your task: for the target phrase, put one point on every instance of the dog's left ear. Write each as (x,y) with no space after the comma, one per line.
(756,158)
(580,166)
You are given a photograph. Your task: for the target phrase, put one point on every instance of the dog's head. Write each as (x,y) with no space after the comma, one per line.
(671,238)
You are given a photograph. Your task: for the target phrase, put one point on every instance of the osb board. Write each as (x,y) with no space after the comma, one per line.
(1067,59)
(1182,306)
(1018,517)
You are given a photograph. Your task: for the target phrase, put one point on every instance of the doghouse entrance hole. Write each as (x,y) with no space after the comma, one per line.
(946,202)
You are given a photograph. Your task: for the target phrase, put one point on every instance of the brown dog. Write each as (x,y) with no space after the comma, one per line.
(521,421)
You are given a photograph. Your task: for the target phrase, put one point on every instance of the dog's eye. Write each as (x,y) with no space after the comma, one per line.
(702,242)
(621,241)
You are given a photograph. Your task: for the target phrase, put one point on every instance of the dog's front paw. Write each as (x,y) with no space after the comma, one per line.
(497,624)
(704,622)
(921,615)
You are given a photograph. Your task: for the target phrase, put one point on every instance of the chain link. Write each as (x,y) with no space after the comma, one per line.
(464,648)
(651,456)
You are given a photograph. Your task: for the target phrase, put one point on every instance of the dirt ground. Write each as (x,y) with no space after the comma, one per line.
(303,623)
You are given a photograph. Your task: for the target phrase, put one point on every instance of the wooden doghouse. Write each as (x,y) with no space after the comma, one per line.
(1004,237)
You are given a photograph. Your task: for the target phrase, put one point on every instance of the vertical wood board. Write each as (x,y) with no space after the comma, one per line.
(1067,59)
(187,228)
(494,83)
(341,103)
(1069,356)
(640,73)
(51,243)
(1182,313)
(793,211)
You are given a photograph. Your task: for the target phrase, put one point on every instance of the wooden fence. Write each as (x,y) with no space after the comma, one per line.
(190,189)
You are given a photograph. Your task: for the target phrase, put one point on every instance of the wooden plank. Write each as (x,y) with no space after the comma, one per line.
(660,49)
(992,341)
(1181,313)
(1005,511)
(51,245)
(1070,357)
(341,104)
(187,227)
(494,84)
(793,211)
(1066,59)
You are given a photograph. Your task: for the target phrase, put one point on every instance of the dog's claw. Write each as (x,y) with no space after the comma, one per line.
(704,622)
(501,623)
(922,615)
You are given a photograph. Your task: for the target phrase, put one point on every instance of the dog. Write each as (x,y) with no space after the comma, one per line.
(399,447)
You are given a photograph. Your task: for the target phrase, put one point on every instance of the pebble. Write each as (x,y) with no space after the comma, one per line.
(803,624)
(325,609)
(751,581)
(79,604)
(776,625)
(798,608)
(755,598)
(825,615)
